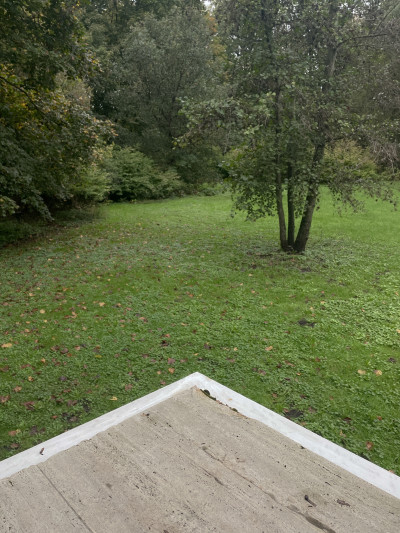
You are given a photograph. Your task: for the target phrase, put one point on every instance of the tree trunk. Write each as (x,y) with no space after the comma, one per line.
(290,205)
(278,177)
(281,216)
(311,200)
(305,225)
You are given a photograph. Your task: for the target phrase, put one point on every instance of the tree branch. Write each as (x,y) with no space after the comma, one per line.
(25,93)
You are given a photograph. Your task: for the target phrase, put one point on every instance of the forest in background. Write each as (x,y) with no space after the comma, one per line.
(147,99)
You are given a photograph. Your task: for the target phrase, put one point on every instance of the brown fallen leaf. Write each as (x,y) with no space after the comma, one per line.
(269,348)
(14,432)
(17,389)
(361,372)
(4,399)
(378,372)
(6,345)
(128,387)
(41,451)
(369,445)
(171,370)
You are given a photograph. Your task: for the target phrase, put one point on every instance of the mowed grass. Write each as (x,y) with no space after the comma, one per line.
(107,310)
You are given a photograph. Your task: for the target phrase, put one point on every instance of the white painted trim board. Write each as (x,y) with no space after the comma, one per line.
(337,455)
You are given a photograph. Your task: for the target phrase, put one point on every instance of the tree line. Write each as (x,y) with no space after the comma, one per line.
(130,99)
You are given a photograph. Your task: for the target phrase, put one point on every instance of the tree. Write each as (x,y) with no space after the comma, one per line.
(107,24)
(152,58)
(162,61)
(47,132)
(294,76)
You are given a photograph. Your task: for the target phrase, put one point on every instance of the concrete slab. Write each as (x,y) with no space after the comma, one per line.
(192,464)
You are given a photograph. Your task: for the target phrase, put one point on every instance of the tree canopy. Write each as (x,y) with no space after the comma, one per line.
(47,131)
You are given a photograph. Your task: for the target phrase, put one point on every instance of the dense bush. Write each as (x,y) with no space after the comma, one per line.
(92,187)
(134,176)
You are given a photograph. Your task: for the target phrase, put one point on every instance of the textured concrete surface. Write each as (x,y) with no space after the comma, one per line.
(190,464)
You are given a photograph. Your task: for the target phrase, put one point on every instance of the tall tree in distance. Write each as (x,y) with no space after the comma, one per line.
(163,56)
(162,61)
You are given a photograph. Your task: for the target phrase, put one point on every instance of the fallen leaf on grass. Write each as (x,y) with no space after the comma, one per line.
(6,345)
(369,445)
(114,398)
(42,311)
(4,399)
(30,378)
(378,372)
(361,372)
(14,432)
(128,387)
(269,348)
(29,405)
(17,389)
(171,370)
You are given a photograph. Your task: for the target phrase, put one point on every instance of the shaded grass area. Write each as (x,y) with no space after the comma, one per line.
(98,314)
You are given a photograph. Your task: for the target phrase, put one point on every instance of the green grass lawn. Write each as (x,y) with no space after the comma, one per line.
(109,309)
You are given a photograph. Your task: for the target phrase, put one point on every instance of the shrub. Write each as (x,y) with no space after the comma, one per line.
(134,176)
(93,186)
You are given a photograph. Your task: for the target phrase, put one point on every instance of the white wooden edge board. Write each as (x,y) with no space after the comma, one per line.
(373,474)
